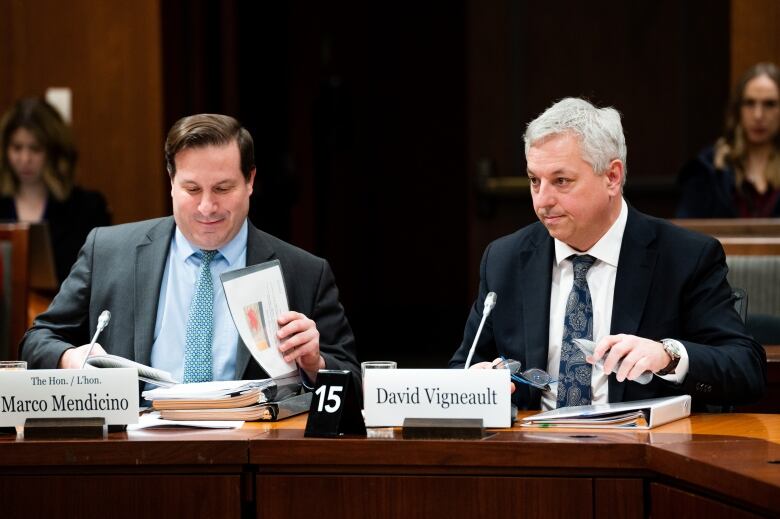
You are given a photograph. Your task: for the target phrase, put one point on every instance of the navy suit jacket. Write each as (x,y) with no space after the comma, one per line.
(671,283)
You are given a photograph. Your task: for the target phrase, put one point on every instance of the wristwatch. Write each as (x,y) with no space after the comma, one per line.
(672,348)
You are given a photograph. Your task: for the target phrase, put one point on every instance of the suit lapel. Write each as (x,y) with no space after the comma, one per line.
(151,255)
(632,284)
(534,284)
(258,250)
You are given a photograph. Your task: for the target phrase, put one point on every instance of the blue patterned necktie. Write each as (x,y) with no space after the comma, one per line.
(574,372)
(200,324)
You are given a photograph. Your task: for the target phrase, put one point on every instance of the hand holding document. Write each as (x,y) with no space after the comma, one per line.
(587,347)
(256,297)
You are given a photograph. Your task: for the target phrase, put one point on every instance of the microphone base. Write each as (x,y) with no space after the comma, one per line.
(443,429)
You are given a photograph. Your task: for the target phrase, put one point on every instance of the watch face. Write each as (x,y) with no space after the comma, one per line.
(672,349)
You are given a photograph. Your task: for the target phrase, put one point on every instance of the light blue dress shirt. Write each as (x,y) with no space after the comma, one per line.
(176,291)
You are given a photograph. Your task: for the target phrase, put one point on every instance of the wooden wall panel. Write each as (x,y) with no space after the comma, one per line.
(666,501)
(663,65)
(123,495)
(754,35)
(411,497)
(109,55)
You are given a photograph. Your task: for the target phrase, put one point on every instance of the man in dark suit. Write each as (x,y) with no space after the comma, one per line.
(654,297)
(145,274)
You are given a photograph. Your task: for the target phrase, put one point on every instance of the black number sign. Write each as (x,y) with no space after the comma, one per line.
(335,407)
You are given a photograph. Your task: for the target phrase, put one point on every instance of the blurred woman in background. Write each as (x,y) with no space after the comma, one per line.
(37,167)
(739,177)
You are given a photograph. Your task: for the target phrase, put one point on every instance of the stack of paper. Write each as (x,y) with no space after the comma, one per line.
(213,390)
(266,399)
(266,411)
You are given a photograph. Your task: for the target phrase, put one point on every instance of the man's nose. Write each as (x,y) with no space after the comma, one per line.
(544,195)
(208,203)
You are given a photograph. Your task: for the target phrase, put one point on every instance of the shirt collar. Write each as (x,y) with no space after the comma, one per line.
(607,249)
(231,251)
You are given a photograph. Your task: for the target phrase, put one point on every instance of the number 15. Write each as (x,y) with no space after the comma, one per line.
(332,397)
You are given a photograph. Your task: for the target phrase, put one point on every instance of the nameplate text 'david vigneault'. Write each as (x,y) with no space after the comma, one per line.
(391,395)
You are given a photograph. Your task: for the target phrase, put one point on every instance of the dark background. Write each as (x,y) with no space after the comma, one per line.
(381,129)
(370,121)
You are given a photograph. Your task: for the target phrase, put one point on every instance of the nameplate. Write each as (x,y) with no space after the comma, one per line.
(391,395)
(111,394)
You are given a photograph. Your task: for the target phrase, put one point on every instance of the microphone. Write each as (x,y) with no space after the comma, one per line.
(105,316)
(490,302)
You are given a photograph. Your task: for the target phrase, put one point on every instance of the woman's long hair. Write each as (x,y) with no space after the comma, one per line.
(53,135)
(731,149)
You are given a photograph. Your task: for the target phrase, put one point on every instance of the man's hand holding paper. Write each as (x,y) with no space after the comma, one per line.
(635,354)
(300,342)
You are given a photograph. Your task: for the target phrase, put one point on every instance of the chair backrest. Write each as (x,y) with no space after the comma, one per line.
(765,329)
(759,276)
(15,279)
(740,303)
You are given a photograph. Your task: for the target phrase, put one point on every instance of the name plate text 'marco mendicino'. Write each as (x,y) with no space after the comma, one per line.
(111,394)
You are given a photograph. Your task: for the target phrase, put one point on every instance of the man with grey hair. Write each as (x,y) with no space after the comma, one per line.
(652,296)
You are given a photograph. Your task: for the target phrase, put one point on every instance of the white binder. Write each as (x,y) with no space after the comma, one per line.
(638,414)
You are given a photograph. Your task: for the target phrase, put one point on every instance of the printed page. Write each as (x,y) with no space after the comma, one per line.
(256,296)
(153,420)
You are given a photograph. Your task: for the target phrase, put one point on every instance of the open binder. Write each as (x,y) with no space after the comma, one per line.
(639,414)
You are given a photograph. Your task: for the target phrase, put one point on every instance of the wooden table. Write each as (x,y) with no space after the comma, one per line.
(705,466)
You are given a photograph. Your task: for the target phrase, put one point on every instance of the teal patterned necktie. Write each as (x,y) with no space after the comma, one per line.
(200,325)
(574,372)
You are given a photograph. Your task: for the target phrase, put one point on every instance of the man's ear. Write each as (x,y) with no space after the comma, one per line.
(251,182)
(614,177)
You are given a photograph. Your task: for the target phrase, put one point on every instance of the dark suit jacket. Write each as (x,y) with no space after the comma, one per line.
(709,192)
(120,269)
(69,222)
(671,283)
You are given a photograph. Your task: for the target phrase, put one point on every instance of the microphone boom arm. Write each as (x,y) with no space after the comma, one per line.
(490,302)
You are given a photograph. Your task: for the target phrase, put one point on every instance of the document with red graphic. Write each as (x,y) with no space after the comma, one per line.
(256,297)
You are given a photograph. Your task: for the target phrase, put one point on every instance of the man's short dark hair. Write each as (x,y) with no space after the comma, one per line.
(201,130)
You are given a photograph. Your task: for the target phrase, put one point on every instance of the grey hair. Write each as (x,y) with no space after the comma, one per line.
(598,129)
